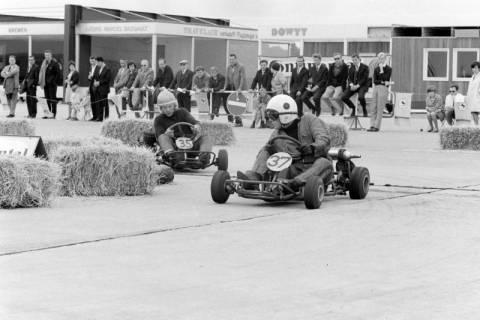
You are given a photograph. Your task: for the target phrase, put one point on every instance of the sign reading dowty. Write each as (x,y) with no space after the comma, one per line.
(295,32)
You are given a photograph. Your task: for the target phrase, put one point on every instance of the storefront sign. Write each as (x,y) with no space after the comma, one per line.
(25,29)
(289,32)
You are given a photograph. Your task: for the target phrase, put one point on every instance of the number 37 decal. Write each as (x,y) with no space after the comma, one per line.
(279,161)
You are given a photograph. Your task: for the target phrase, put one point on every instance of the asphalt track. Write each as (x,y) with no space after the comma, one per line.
(408,251)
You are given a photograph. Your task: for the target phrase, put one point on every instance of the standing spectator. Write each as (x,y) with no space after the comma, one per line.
(71,83)
(144,80)
(279,82)
(298,84)
(473,93)
(164,78)
(381,80)
(132,75)
(183,84)
(11,84)
(260,108)
(357,84)
(120,82)
(91,88)
(49,73)
(216,84)
(434,106)
(450,100)
(236,80)
(101,81)
(30,87)
(319,75)
(336,83)
(200,80)
(263,77)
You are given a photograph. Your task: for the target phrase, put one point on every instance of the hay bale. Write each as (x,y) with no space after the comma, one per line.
(460,138)
(17,127)
(52,144)
(27,181)
(129,131)
(221,134)
(338,133)
(164,174)
(106,170)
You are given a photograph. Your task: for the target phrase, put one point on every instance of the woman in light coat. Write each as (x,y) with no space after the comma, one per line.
(473,93)
(11,84)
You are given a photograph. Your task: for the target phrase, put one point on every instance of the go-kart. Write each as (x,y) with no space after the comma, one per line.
(184,157)
(346,178)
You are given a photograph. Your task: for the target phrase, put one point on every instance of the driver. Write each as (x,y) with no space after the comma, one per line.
(170,115)
(312,154)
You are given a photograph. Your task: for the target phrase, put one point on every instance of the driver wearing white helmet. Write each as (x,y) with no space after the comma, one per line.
(170,115)
(313,136)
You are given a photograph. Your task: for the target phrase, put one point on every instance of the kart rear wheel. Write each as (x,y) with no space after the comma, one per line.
(217,187)
(359,183)
(222,160)
(313,192)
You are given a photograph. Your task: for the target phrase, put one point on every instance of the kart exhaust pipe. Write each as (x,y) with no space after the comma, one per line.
(342,154)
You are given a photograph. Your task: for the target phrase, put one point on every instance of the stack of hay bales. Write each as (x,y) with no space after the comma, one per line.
(16,127)
(338,133)
(460,138)
(27,181)
(221,134)
(52,144)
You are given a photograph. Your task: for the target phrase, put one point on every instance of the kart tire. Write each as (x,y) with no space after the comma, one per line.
(217,186)
(313,192)
(359,183)
(222,160)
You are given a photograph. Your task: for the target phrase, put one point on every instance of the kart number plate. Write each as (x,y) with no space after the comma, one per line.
(279,161)
(184,143)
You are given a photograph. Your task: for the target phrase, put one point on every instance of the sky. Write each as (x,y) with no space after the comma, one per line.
(281,12)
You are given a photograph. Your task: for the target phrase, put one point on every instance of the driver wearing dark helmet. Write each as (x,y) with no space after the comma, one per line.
(312,153)
(170,115)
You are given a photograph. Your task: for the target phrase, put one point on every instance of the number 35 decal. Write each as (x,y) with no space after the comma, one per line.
(279,161)
(184,143)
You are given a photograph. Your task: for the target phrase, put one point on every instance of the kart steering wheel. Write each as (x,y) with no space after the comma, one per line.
(192,135)
(285,137)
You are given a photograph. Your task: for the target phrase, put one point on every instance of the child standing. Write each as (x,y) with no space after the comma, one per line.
(262,101)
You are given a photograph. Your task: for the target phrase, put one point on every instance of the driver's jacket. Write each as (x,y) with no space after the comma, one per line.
(312,131)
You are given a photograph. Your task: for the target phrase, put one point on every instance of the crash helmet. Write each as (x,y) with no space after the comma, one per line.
(283,108)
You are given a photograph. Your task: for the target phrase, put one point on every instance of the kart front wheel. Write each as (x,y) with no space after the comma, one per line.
(313,192)
(222,160)
(217,187)
(359,183)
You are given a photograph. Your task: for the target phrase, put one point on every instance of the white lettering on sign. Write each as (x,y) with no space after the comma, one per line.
(198,31)
(17,30)
(282,32)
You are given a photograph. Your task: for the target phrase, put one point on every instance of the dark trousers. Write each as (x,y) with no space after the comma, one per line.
(316,100)
(299,101)
(361,98)
(217,100)
(51,96)
(184,100)
(101,107)
(32,102)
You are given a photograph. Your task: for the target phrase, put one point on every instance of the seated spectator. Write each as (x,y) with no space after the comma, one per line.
(450,100)
(260,107)
(435,109)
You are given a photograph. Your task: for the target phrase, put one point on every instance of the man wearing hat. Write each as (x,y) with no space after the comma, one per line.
(170,115)
(183,84)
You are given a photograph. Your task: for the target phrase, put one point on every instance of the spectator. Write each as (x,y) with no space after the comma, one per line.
(144,80)
(216,84)
(357,84)
(163,80)
(11,84)
(298,84)
(473,93)
(435,110)
(120,82)
(101,83)
(132,75)
(260,107)
(91,88)
(381,80)
(71,83)
(279,82)
(30,87)
(319,75)
(182,82)
(49,73)
(236,80)
(263,77)
(336,83)
(200,80)
(450,100)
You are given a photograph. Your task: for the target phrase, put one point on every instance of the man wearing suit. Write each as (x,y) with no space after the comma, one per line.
(120,81)
(30,87)
(183,83)
(52,74)
(144,80)
(164,78)
(263,77)
(319,75)
(298,84)
(357,83)
(101,83)
(91,88)
(336,83)
(216,83)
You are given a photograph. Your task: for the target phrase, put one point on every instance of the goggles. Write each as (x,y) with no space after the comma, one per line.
(272,114)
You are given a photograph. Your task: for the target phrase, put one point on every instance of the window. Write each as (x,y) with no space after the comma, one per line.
(462,59)
(435,64)
(280,49)
(326,49)
(368,48)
